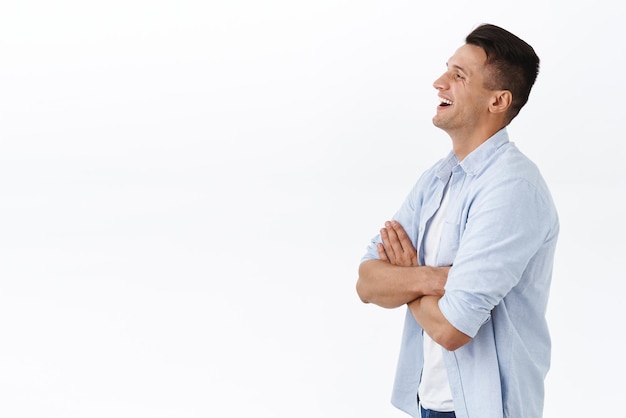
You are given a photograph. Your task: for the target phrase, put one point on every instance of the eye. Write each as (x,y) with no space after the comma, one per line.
(458,76)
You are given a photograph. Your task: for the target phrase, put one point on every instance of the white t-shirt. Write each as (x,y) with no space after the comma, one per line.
(434,390)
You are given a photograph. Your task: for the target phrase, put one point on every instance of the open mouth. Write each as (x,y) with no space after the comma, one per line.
(445,102)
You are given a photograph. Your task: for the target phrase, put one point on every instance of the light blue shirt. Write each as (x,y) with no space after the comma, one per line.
(499,236)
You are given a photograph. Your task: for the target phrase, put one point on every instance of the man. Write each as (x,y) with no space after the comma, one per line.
(470,251)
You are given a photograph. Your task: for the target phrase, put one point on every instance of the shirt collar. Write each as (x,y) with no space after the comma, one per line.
(476,159)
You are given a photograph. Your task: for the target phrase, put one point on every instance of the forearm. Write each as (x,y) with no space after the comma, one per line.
(391,286)
(426,312)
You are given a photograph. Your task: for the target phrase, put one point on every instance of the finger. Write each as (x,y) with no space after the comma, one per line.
(388,247)
(404,239)
(409,253)
(393,238)
(381,252)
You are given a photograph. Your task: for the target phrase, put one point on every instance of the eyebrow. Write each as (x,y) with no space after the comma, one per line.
(458,67)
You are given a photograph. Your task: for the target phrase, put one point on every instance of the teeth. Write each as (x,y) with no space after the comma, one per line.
(446,101)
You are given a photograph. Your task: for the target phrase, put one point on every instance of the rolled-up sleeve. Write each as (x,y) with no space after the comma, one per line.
(503,227)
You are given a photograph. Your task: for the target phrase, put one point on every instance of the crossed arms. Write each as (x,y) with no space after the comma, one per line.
(397,279)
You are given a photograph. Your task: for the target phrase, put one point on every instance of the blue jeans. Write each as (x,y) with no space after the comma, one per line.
(427,413)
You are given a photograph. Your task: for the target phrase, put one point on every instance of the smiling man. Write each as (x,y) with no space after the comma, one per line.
(470,251)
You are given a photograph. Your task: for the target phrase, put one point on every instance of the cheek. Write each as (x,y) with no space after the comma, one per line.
(480,100)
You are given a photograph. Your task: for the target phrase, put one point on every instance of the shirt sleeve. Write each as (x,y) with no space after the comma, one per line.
(408,215)
(505,226)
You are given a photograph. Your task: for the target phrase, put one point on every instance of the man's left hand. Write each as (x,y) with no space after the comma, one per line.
(397,248)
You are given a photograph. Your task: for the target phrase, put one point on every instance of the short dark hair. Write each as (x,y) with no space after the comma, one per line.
(512,63)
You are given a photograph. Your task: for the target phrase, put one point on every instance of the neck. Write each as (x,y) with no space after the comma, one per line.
(463,143)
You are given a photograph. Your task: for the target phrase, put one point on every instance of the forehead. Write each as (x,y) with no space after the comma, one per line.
(470,58)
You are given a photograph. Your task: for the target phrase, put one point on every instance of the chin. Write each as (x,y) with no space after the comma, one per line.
(438,123)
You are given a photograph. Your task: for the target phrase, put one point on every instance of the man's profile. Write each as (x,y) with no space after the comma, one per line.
(471,249)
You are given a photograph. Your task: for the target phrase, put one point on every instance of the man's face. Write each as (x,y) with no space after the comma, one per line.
(463,99)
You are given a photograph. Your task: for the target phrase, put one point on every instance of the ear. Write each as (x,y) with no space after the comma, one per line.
(500,101)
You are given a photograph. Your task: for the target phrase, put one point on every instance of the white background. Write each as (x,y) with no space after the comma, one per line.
(186,190)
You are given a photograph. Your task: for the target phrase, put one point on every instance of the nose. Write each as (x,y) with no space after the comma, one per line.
(439,83)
